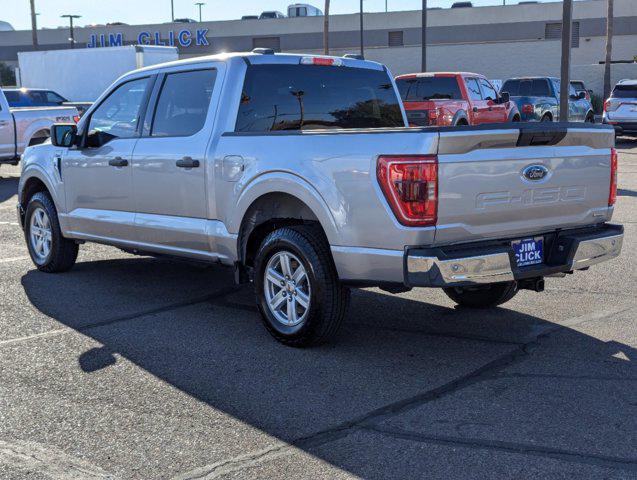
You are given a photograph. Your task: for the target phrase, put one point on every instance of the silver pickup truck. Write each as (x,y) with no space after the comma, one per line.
(299,172)
(22,127)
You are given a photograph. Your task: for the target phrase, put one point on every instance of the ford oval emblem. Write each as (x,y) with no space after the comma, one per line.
(535,172)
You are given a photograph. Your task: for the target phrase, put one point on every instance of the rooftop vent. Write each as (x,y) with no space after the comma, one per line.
(263,51)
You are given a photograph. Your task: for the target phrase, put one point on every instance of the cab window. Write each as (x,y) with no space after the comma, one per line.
(473,89)
(118,115)
(183,103)
(487,90)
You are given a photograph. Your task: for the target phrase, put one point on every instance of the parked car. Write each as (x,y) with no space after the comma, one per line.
(298,171)
(250,17)
(620,110)
(303,10)
(579,86)
(444,99)
(538,99)
(38,97)
(22,127)
(271,14)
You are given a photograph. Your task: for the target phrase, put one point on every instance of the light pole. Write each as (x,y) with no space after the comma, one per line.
(200,4)
(34,25)
(172,10)
(71,17)
(423,65)
(362,39)
(565,80)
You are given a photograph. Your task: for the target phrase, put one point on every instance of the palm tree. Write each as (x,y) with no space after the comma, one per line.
(326,28)
(609,49)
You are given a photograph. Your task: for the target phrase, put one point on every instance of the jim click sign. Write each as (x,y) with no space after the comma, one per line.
(182,38)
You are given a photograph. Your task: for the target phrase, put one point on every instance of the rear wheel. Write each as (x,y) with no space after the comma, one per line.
(483,296)
(49,250)
(300,298)
(590,119)
(546,118)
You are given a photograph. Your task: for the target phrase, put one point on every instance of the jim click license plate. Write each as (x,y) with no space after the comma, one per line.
(528,251)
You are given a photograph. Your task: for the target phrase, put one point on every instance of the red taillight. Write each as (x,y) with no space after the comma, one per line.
(527,108)
(612,197)
(76,118)
(588,96)
(410,185)
(610,105)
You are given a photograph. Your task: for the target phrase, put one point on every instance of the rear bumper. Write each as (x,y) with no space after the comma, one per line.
(491,262)
(622,127)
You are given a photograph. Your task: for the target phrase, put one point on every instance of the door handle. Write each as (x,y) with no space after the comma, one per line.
(118,162)
(187,162)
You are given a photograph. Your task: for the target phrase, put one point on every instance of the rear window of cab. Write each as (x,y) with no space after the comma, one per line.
(624,91)
(422,89)
(309,97)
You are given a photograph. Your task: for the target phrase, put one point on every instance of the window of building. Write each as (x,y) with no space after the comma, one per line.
(307,97)
(553,31)
(183,103)
(396,39)
(267,42)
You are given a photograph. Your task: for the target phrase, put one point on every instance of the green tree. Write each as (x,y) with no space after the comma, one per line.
(7,75)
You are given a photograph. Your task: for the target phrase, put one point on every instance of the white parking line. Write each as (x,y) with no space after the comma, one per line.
(14,224)
(48,460)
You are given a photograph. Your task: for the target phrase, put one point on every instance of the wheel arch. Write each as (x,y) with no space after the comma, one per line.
(33,181)
(459,116)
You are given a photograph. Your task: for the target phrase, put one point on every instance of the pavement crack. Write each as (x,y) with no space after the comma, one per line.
(511,447)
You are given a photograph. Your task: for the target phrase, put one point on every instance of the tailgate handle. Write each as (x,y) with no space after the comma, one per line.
(533,136)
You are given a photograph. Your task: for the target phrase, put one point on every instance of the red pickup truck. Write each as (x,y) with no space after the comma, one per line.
(449,99)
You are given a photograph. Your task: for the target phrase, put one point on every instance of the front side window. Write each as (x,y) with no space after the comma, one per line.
(54,98)
(118,115)
(473,89)
(183,103)
(13,97)
(306,97)
(488,90)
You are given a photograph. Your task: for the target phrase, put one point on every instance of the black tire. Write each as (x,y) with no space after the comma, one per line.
(483,296)
(63,252)
(515,119)
(546,118)
(328,297)
(590,119)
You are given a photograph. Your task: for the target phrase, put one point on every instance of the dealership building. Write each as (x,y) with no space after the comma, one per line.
(497,41)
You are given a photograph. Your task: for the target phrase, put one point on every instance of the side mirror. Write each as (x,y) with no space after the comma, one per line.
(581,95)
(63,134)
(505,97)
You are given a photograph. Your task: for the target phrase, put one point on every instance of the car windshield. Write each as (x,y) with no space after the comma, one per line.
(420,89)
(625,91)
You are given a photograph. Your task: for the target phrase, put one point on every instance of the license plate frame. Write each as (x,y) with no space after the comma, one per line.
(528,251)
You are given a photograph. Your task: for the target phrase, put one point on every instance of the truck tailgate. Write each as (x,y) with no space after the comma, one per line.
(517,180)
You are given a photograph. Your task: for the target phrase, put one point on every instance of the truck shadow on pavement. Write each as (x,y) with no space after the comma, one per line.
(8,187)
(196,331)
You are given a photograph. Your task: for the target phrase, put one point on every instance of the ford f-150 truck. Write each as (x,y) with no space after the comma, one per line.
(445,99)
(21,127)
(301,173)
(538,99)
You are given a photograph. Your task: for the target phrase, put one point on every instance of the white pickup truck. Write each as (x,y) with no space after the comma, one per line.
(300,173)
(23,127)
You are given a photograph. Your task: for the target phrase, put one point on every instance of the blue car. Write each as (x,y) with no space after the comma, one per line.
(39,97)
(538,99)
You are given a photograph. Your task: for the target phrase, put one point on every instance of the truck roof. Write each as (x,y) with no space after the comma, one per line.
(256,58)
(434,74)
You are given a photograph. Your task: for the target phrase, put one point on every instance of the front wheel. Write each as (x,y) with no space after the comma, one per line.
(299,295)
(49,250)
(483,296)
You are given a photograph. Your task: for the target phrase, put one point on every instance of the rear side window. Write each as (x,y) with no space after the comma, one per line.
(540,88)
(13,97)
(512,87)
(183,103)
(421,89)
(473,89)
(307,97)
(625,91)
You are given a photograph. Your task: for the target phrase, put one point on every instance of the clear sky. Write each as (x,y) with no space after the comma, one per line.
(134,12)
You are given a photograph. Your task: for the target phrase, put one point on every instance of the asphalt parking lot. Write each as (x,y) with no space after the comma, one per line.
(132,367)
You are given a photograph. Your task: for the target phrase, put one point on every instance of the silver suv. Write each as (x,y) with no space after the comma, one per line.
(299,172)
(620,110)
